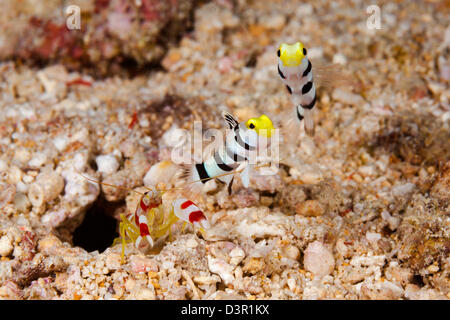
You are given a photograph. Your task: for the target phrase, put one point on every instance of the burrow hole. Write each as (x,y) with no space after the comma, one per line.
(99,228)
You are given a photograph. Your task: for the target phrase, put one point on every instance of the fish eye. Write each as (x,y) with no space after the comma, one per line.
(304,51)
(278,52)
(252,126)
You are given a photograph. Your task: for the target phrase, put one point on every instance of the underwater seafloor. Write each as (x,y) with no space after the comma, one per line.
(359,211)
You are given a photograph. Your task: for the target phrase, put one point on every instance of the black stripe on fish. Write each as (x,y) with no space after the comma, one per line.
(280,73)
(204,177)
(220,163)
(242,143)
(308,69)
(289,89)
(307,87)
(234,156)
(304,51)
(299,116)
(311,105)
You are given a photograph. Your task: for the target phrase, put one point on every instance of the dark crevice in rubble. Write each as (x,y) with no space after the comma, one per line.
(99,227)
(413,138)
(417,279)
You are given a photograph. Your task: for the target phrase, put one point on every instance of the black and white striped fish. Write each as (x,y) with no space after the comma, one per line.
(295,70)
(241,140)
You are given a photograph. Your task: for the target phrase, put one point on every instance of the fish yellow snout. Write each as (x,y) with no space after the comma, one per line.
(291,55)
(264,126)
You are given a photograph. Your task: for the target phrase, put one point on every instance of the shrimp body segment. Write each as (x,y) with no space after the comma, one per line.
(188,212)
(150,221)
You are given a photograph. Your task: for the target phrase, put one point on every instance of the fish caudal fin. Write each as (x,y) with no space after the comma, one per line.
(309,121)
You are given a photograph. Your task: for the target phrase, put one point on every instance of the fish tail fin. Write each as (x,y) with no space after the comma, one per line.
(309,121)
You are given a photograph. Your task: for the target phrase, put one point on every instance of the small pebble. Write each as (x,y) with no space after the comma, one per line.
(141,264)
(237,255)
(38,160)
(223,269)
(291,252)
(318,259)
(6,246)
(291,284)
(174,137)
(309,208)
(367,171)
(339,58)
(60,143)
(207,279)
(311,177)
(21,202)
(14,175)
(433,268)
(3,165)
(191,243)
(145,294)
(46,188)
(22,155)
(107,164)
(253,265)
(266,201)
(161,172)
(373,236)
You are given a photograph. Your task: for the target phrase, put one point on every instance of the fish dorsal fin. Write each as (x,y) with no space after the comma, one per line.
(232,122)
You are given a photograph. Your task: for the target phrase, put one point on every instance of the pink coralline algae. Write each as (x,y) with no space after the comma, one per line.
(118,31)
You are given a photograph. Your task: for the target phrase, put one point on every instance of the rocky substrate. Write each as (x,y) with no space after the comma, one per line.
(104,36)
(359,211)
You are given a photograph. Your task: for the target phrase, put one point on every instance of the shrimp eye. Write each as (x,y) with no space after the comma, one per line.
(278,52)
(252,126)
(304,51)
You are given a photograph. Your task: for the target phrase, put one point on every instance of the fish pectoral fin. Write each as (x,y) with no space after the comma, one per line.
(230,185)
(245,176)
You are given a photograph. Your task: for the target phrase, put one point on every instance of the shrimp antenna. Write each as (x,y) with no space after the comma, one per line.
(106,184)
(125,188)
(163,190)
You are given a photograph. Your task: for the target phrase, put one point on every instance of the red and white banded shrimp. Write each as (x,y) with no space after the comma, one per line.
(150,222)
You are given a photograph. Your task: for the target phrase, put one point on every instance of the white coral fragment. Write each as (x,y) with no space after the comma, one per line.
(46,188)
(6,246)
(161,172)
(107,164)
(318,259)
(223,269)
